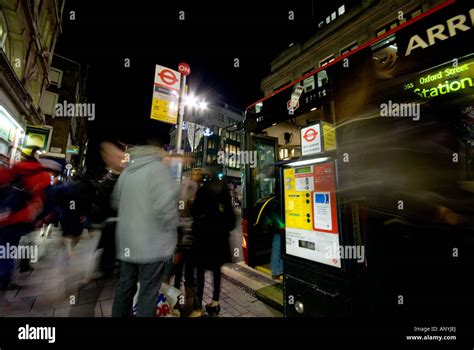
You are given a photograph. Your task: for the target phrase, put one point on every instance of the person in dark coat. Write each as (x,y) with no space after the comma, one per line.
(103,213)
(213,219)
(75,199)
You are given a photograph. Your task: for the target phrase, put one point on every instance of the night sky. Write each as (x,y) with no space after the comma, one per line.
(148,32)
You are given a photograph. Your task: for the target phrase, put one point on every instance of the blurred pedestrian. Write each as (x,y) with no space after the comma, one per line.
(181,260)
(213,220)
(146,198)
(22,199)
(75,199)
(103,213)
(50,214)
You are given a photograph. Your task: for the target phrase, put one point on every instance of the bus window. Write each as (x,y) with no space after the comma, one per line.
(385,54)
(263,174)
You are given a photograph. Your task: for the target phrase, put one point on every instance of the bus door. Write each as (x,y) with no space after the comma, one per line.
(260,183)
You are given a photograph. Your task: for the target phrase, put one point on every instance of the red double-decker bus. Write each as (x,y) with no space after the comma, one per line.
(401,109)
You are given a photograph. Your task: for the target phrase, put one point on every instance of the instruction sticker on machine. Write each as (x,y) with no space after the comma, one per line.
(311,212)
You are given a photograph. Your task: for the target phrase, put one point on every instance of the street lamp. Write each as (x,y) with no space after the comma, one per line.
(193,102)
(202,105)
(190,101)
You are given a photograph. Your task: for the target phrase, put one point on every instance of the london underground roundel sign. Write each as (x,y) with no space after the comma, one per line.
(311,139)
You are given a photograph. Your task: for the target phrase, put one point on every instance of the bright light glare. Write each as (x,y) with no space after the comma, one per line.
(203,105)
(190,101)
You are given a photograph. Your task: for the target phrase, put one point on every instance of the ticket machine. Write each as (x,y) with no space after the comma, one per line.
(311,215)
(317,278)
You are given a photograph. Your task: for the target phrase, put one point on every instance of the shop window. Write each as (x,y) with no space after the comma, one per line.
(4,148)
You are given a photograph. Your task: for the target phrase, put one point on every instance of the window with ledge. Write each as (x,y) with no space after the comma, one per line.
(325,61)
(56,76)
(48,105)
(349,48)
(309,83)
(397,22)
(3,31)
(339,12)
(45,26)
(282,85)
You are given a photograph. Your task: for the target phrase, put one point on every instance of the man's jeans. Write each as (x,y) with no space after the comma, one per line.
(150,277)
(276,261)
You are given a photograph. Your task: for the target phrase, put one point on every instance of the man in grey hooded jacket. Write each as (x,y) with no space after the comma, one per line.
(146,198)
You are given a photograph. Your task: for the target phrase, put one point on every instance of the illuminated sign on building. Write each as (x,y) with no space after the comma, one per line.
(443,81)
(37,137)
(440,32)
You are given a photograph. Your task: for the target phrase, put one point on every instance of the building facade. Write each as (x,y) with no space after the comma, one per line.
(207,132)
(28,35)
(339,31)
(66,91)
